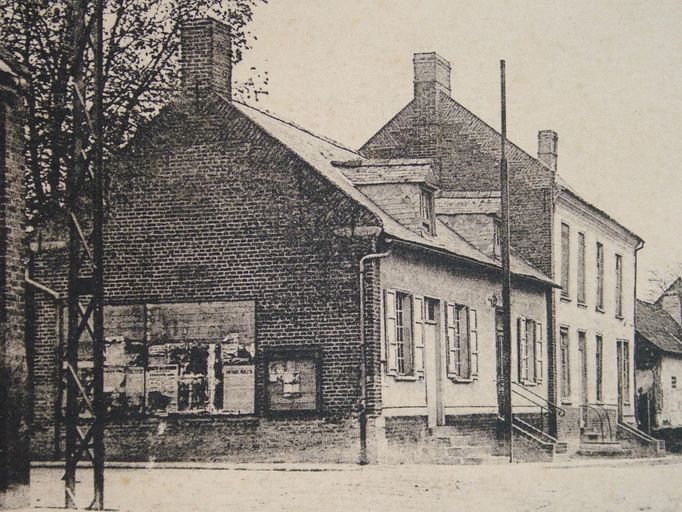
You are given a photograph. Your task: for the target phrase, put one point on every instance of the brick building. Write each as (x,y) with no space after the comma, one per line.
(591,255)
(15,398)
(236,262)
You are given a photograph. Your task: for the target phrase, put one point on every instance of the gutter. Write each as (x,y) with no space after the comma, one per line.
(495,268)
(363,355)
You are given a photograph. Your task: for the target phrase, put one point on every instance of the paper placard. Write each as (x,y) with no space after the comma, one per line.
(162,388)
(239,387)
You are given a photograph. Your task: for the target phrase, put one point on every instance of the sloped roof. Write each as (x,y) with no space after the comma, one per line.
(475,151)
(371,172)
(658,327)
(321,154)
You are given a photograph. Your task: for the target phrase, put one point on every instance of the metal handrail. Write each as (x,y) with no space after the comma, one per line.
(560,411)
(601,421)
(542,407)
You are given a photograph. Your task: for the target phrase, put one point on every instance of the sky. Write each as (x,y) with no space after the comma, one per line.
(606,76)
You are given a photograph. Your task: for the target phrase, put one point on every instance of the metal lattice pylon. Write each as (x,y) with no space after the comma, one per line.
(85,410)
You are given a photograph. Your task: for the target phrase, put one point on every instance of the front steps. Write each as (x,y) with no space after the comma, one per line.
(455,447)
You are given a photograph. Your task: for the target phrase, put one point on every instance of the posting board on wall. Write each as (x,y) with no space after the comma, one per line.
(239,386)
(292,384)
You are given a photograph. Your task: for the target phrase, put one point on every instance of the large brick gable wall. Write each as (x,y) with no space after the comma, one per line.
(211,208)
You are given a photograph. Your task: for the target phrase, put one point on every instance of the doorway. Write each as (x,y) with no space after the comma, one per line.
(623,364)
(433,366)
(582,351)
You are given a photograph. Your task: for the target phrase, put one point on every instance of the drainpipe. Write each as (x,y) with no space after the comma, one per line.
(363,350)
(638,248)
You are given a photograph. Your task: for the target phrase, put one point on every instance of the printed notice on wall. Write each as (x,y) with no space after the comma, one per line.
(239,389)
(162,388)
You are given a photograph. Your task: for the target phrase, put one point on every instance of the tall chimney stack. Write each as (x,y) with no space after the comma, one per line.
(431,74)
(548,145)
(206,58)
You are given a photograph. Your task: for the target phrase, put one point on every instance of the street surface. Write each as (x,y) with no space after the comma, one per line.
(620,486)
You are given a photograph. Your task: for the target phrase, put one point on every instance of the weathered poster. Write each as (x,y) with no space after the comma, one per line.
(162,388)
(239,388)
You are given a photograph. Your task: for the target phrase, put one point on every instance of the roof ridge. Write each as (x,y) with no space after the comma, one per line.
(488,126)
(294,125)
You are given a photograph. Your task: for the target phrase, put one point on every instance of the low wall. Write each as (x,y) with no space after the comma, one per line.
(221,439)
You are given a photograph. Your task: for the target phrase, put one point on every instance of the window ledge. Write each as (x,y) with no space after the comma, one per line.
(599,310)
(566,402)
(406,378)
(460,380)
(565,298)
(529,384)
(582,305)
(620,317)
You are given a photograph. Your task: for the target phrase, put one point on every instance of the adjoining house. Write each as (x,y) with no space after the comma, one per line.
(267,287)
(587,252)
(658,366)
(15,395)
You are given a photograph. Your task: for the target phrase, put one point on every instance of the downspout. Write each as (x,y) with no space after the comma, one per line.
(363,351)
(639,247)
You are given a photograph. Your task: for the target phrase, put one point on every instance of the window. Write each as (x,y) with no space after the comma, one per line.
(619,285)
(565,259)
(600,276)
(497,237)
(430,310)
(565,364)
(673,381)
(462,331)
(624,370)
(399,341)
(581,269)
(426,211)
(499,340)
(599,342)
(529,350)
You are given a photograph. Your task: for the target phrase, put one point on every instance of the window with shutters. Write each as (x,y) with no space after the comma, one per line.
(530,350)
(565,259)
(565,364)
(398,310)
(462,330)
(581,269)
(600,277)
(599,342)
(619,286)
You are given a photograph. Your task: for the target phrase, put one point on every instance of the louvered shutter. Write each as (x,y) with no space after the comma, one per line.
(473,341)
(539,354)
(419,335)
(453,350)
(521,352)
(390,332)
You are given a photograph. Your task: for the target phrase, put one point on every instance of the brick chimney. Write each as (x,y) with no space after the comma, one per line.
(548,144)
(206,58)
(431,73)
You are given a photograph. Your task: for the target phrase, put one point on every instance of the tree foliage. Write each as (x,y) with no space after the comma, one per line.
(141,73)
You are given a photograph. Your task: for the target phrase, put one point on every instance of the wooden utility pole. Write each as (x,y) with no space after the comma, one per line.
(506,276)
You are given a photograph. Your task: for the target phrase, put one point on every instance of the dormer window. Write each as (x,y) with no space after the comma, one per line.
(426,211)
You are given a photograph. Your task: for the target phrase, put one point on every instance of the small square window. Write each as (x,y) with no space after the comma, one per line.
(431,309)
